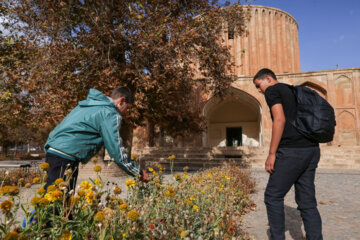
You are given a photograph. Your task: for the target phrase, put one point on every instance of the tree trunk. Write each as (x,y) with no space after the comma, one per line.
(16,148)
(151,134)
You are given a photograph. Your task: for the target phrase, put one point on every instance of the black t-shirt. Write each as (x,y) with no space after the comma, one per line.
(281,93)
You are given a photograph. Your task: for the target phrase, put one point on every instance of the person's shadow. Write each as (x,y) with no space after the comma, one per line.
(293,223)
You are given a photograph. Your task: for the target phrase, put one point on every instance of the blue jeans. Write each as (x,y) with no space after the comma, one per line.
(294,166)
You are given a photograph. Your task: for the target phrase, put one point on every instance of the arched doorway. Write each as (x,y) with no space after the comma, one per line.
(234,120)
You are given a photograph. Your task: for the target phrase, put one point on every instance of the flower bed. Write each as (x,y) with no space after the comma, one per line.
(205,205)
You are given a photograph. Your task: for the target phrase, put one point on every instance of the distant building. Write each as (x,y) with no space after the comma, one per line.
(242,118)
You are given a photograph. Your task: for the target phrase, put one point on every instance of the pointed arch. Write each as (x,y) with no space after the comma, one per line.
(344,90)
(235,111)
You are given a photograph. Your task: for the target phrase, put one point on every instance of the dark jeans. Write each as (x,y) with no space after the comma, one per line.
(57,168)
(294,166)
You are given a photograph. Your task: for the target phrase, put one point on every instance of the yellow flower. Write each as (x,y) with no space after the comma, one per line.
(97,168)
(43,202)
(129,183)
(133,215)
(185,175)
(150,169)
(124,235)
(67,235)
(58,181)
(41,192)
(192,198)
(123,207)
(86,185)
(183,234)
(227,177)
(188,202)
(210,175)
(54,195)
(90,197)
(117,190)
(36,180)
(6,206)
(172,157)
(28,185)
(99,216)
(35,200)
(44,166)
(97,182)
(51,188)
(196,208)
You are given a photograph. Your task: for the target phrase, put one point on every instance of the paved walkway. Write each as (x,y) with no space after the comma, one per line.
(338,196)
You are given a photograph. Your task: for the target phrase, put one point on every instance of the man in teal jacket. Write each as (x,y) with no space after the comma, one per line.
(93,123)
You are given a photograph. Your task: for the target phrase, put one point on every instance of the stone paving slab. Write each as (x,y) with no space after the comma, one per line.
(338,196)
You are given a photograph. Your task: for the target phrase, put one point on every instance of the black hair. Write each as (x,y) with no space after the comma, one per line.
(262,73)
(122,92)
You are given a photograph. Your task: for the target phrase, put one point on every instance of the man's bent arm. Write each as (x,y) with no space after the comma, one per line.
(110,131)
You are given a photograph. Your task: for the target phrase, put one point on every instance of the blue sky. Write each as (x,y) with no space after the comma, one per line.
(329,31)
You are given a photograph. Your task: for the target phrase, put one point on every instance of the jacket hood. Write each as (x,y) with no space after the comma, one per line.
(96,98)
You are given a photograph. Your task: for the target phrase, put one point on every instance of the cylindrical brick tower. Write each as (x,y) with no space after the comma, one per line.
(272,41)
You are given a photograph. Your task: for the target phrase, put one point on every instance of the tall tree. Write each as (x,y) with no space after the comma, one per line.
(165,51)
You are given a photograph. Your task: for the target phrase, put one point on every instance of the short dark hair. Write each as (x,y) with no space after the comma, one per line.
(122,92)
(264,72)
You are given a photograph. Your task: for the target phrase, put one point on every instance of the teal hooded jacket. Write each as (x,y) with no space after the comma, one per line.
(93,123)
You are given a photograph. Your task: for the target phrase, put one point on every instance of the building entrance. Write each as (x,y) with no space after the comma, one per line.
(233,136)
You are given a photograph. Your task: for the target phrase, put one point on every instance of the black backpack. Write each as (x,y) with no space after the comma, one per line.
(315,117)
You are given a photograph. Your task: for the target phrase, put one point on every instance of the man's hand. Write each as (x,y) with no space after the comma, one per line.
(144,177)
(270,162)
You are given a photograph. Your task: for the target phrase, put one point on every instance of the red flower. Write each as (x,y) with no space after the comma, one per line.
(152,226)
(231,229)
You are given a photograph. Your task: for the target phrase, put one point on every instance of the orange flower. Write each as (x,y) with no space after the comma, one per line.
(36,180)
(6,206)
(58,181)
(123,207)
(41,192)
(35,200)
(44,166)
(43,202)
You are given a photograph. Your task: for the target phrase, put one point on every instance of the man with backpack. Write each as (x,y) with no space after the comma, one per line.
(292,159)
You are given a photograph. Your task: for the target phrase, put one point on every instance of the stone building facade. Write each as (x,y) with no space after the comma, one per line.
(242,117)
